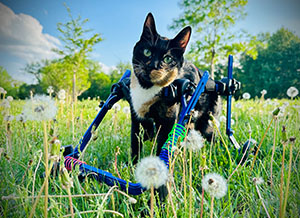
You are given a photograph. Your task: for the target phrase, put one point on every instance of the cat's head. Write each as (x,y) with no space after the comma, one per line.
(156,59)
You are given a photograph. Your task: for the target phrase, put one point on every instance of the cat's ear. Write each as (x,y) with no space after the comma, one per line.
(149,30)
(182,38)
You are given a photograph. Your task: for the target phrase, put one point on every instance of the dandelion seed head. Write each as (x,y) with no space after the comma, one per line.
(215,185)
(116,107)
(297,107)
(222,119)
(2,90)
(194,140)
(8,118)
(50,90)
(212,124)
(246,96)
(292,92)
(61,94)
(41,107)
(5,103)
(238,105)
(132,200)
(126,110)
(10,98)
(258,181)
(263,92)
(151,171)
(21,117)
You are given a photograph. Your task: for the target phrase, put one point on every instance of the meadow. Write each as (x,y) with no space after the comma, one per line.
(266,187)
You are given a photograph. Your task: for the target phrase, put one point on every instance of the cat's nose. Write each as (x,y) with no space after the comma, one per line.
(154,65)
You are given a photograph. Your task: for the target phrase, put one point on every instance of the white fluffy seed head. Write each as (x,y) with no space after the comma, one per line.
(126,110)
(258,181)
(9,98)
(263,92)
(194,140)
(215,185)
(116,107)
(8,118)
(292,92)
(21,117)
(151,171)
(246,96)
(61,94)
(50,90)
(40,108)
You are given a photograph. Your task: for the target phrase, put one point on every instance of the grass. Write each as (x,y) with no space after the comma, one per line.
(22,164)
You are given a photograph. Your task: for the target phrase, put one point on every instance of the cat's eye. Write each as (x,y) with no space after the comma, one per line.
(167,59)
(147,52)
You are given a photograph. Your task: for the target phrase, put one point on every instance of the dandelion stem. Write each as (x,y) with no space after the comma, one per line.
(35,171)
(281,182)
(272,157)
(260,143)
(170,199)
(225,145)
(244,154)
(183,178)
(152,202)
(262,201)
(288,181)
(70,202)
(210,148)
(46,168)
(113,202)
(191,188)
(212,207)
(202,196)
(40,192)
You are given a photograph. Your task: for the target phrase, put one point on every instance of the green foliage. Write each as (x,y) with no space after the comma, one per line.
(119,71)
(25,89)
(276,67)
(72,67)
(8,83)
(100,83)
(212,23)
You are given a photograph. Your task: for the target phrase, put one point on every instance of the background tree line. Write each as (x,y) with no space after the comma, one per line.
(270,62)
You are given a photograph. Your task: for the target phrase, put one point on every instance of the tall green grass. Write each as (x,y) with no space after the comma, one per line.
(22,164)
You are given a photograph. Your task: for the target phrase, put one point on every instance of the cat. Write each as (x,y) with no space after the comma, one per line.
(157,62)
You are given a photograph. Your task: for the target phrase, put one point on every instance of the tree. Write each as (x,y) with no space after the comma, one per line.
(119,71)
(276,68)
(8,83)
(75,52)
(212,23)
(35,68)
(100,82)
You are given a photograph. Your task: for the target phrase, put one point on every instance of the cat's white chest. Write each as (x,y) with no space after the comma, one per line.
(142,99)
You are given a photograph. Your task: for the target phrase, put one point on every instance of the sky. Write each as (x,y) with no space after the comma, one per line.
(28,28)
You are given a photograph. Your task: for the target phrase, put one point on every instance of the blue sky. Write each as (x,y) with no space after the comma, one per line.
(28,27)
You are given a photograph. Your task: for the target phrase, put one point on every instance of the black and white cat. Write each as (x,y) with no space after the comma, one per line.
(157,63)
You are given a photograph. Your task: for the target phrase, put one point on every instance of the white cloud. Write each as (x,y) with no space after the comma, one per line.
(22,40)
(107,69)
